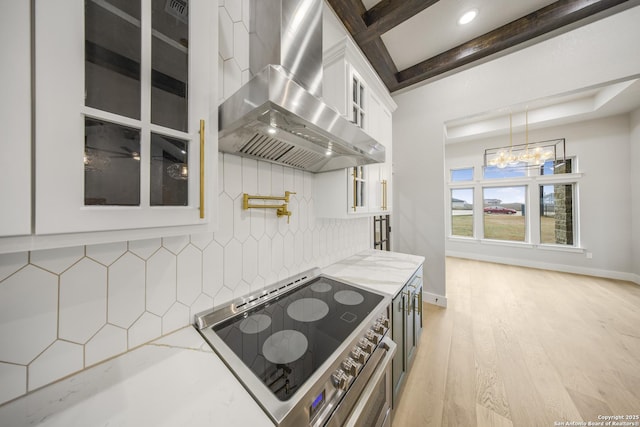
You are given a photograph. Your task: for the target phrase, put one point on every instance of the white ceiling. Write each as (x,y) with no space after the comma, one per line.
(436,30)
(588,104)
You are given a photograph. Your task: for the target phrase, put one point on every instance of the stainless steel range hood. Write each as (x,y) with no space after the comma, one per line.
(278,115)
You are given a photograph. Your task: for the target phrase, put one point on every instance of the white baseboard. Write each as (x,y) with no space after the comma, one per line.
(609,274)
(434,299)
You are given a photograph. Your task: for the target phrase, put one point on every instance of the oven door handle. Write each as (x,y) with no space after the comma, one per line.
(373,382)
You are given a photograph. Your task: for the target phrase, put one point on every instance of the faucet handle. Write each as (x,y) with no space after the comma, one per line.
(287,194)
(284,211)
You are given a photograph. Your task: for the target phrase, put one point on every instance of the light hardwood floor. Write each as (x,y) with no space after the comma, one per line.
(524,347)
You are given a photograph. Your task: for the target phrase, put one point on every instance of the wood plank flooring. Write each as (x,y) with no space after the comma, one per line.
(524,347)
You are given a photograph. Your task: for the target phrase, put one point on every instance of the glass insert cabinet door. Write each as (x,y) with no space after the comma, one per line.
(123,94)
(358,189)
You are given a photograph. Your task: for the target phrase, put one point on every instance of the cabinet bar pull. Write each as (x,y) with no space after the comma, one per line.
(384,194)
(201,169)
(409,303)
(355,189)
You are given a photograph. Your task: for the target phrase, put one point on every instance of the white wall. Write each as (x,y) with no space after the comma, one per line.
(634,158)
(604,202)
(62,310)
(600,52)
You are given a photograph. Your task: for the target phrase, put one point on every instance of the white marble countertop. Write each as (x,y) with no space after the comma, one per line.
(176,380)
(381,271)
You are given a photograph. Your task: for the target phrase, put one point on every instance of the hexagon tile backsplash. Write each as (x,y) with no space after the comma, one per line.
(63,310)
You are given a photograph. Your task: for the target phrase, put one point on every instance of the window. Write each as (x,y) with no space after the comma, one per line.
(462,212)
(504,208)
(560,167)
(556,214)
(458,175)
(504,213)
(494,172)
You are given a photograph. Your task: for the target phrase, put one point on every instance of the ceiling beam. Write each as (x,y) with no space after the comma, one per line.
(388,14)
(542,21)
(352,13)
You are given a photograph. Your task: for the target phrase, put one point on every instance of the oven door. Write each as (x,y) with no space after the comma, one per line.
(369,403)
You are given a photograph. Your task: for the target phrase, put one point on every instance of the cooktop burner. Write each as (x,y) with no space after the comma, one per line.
(320,287)
(307,309)
(255,323)
(285,347)
(348,297)
(284,341)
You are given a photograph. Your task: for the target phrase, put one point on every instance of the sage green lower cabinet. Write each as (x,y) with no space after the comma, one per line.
(406,328)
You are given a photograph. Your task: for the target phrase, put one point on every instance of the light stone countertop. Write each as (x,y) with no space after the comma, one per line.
(176,380)
(381,271)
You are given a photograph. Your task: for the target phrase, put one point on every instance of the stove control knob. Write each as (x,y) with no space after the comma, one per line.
(350,366)
(358,355)
(384,321)
(340,379)
(366,345)
(373,337)
(379,328)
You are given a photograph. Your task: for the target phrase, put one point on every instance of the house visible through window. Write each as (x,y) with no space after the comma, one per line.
(505,214)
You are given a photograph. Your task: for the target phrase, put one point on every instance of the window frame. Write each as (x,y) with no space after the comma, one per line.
(532,182)
(473,211)
(527,200)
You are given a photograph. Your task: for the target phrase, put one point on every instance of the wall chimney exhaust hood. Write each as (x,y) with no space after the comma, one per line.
(278,115)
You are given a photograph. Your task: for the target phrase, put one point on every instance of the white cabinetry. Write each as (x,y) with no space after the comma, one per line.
(357,93)
(15,119)
(122,90)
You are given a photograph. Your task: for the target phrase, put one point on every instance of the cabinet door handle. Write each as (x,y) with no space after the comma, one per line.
(384,194)
(202,169)
(355,189)
(407,304)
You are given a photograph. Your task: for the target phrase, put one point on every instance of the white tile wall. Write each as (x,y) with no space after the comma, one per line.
(62,310)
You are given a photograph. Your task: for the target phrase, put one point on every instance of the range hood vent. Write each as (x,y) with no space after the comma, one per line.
(278,116)
(267,148)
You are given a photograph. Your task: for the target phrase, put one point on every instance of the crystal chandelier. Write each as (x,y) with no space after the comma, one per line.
(527,155)
(179,171)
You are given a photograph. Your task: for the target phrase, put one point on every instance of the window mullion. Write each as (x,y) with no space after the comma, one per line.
(533,218)
(145,102)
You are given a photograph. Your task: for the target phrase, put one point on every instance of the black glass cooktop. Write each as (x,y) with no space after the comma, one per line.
(286,340)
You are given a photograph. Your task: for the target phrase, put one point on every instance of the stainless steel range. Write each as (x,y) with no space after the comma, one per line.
(310,349)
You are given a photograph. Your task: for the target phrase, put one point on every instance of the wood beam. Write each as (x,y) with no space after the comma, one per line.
(542,21)
(351,13)
(379,57)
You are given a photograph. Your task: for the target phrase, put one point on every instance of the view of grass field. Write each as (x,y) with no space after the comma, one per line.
(502,227)
(462,225)
(505,227)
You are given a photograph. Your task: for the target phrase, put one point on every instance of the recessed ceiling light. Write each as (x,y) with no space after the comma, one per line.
(468,17)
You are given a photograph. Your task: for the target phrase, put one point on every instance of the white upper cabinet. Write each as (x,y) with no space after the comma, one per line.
(352,87)
(15,119)
(125,101)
